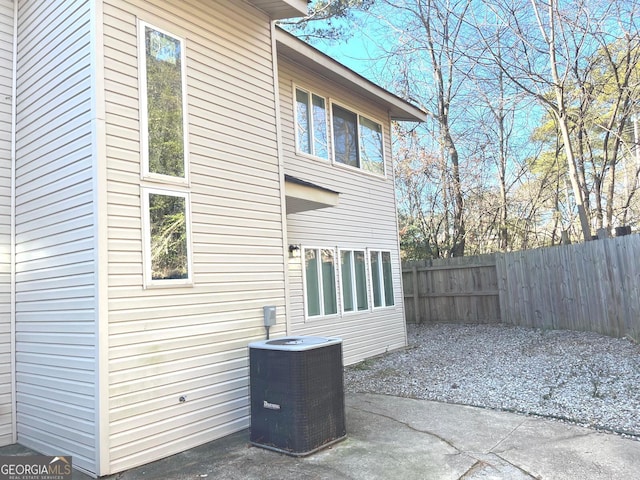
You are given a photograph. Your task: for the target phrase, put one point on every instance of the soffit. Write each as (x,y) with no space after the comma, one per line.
(278,9)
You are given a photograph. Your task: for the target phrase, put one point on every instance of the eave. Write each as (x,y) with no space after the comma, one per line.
(302,195)
(279,9)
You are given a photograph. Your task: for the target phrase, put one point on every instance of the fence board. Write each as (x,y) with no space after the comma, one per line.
(594,286)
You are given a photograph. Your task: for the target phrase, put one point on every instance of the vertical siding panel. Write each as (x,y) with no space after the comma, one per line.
(6,78)
(192,341)
(55,251)
(364,218)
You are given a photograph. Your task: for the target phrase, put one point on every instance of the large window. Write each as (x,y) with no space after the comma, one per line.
(353,275)
(320,282)
(311,124)
(357,141)
(381,278)
(167,230)
(163,128)
(162,105)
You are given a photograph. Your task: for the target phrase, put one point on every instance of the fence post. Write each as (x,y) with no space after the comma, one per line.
(416,295)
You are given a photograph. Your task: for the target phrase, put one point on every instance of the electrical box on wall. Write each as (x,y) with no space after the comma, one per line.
(269,315)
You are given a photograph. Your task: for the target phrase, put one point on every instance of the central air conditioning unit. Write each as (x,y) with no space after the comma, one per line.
(297,394)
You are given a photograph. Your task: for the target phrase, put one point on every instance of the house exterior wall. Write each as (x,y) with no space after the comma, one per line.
(365,218)
(55,244)
(6,94)
(191,341)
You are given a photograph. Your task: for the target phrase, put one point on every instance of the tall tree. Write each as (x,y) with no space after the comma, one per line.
(327,19)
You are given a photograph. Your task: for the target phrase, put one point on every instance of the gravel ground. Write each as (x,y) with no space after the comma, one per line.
(584,378)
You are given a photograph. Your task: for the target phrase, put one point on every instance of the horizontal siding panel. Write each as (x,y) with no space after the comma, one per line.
(43,247)
(182,439)
(30,199)
(28,391)
(174,338)
(127,368)
(76,84)
(28,215)
(84,425)
(193,339)
(55,234)
(142,433)
(61,361)
(32,433)
(162,390)
(228,300)
(131,320)
(57,384)
(61,147)
(65,255)
(55,249)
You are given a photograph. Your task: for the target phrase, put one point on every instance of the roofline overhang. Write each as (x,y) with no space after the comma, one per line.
(280,9)
(302,195)
(304,54)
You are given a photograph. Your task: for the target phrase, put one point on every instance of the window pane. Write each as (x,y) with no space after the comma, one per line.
(313,288)
(361,280)
(388,279)
(375,279)
(302,121)
(320,144)
(329,283)
(164,104)
(371,155)
(345,136)
(347,281)
(169,251)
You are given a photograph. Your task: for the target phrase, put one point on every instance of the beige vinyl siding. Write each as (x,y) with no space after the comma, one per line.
(364,218)
(192,341)
(55,250)
(6,78)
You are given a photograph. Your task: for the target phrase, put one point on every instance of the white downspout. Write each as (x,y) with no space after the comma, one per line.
(12,259)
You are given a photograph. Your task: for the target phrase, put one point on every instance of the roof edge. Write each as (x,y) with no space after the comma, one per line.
(292,47)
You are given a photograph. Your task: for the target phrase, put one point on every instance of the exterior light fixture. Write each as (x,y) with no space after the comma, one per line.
(294,251)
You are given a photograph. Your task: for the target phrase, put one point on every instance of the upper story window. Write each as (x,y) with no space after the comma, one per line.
(357,141)
(381,278)
(311,124)
(162,105)
(163,128)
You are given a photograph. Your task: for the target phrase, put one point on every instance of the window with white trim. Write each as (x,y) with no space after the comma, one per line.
(163,116)
(320,282)
(353,276)
(167,232)
(163,129)
(357,141)
(311,124)
(381,278)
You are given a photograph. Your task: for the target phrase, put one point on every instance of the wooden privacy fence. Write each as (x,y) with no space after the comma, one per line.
(594,286)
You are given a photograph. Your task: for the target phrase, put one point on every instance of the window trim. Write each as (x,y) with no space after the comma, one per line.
(327,124)
(358,114)
(145,174)
(381,279)
(304,284)
(354,299)
(149,282)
